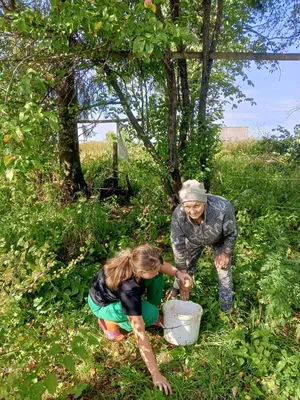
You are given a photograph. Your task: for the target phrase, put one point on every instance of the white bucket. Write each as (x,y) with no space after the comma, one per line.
(181,321)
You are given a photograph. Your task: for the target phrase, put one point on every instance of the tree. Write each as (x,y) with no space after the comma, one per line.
(67,105)
(180,97)
(57,94)
(191,109)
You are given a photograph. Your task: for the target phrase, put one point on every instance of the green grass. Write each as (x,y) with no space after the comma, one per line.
(51,347)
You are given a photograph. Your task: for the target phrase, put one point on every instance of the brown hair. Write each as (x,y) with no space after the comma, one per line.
(130,263)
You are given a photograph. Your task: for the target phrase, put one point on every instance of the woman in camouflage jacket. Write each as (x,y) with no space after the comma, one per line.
(203,219)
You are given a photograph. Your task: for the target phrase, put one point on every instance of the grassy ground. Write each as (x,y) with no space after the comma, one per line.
(51,345)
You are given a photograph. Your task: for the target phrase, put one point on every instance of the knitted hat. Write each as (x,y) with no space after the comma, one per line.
(192,190)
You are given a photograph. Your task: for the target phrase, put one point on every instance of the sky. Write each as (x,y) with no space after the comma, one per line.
(276,94)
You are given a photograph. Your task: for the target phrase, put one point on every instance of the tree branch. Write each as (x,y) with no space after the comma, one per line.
(217,28)
(139,130)
(206,6)
(269,39)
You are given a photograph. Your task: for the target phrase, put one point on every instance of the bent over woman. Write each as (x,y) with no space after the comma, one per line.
(116,299)
(203,219)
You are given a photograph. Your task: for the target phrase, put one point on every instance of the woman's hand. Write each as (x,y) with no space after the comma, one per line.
(161,382)
(185,285)
(184,292)
(222,261)
(185,279)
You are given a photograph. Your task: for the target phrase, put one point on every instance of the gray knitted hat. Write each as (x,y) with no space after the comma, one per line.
(192,190)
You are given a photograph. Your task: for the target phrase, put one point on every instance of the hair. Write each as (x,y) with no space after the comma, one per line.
(129,263)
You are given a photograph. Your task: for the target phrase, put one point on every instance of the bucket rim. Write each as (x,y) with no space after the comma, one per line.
(199,311)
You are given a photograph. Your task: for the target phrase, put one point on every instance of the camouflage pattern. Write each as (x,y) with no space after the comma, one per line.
(218,229)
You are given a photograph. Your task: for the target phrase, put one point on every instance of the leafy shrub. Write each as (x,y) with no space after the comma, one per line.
(279,286)
(284,143)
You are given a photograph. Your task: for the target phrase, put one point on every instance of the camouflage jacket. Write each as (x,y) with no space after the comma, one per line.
(219,229)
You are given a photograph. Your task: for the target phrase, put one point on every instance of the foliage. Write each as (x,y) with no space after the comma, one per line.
(59,65)
(279,285)
(50,252)
(50,249)
(27,129)
(284,143)
(207,144)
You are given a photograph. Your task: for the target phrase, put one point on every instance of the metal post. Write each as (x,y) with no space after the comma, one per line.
(115,165)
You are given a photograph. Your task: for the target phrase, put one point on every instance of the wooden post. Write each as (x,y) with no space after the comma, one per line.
(115,165)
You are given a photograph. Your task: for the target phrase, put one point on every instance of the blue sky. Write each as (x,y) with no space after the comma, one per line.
(276,94)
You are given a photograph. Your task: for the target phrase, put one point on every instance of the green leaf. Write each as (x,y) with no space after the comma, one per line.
(70,364)
(77,391)
(25,84)
(139,45)
(40,84)
(21,25)
(280,365)
(55,349)
(79,351)
(92,340)
(178,352)
(83,331)
(75,289)
(55,44)
(51,383)
(77,340)
(149,47)
(241,361)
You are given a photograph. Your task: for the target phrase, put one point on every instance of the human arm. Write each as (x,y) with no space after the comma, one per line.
(182,275)
(148,357)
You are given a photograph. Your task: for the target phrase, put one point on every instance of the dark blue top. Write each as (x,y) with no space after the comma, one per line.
(129,294)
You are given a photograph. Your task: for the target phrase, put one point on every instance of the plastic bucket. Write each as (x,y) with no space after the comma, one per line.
(181,321)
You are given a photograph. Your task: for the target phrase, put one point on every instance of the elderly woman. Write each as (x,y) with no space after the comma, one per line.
(203,219)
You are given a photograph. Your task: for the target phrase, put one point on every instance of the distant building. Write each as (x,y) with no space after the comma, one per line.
(234,133)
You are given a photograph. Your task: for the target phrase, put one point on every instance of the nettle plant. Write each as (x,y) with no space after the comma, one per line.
(266,367)
(279,286)
(45,353)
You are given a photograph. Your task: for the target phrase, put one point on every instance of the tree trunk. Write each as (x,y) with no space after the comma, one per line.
(185,123)
(209,45)
(206,62)
(172,131)
(185,93)
(68,134)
